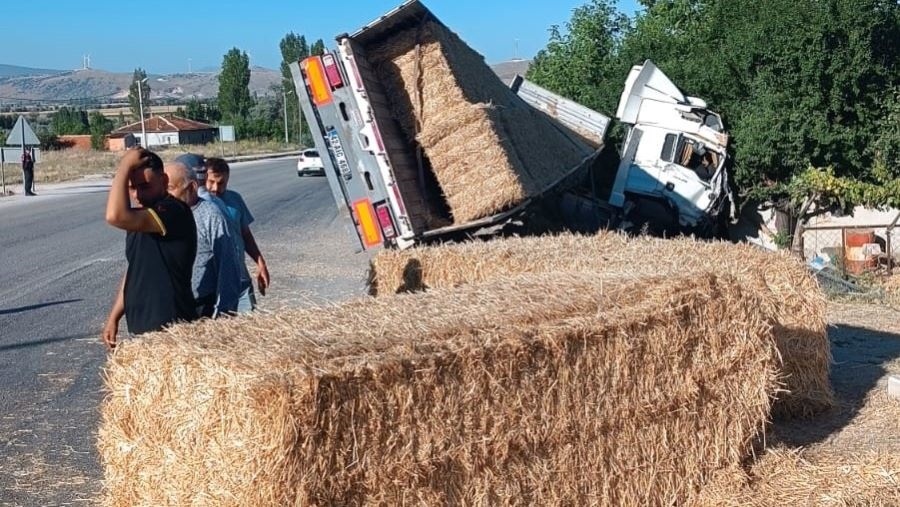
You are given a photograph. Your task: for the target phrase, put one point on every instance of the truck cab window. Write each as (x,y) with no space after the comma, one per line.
(668,151)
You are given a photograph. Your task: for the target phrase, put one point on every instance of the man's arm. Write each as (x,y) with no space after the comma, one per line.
(119,212)
(111,329)
(262,272)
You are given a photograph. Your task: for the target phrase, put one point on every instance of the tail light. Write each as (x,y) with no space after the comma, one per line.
(384,218)
(368,229)
(318,85)
(332,72)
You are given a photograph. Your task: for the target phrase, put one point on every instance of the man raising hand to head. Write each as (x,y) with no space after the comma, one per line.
(160,246)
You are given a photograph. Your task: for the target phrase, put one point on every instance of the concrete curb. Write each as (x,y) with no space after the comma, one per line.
(262,156)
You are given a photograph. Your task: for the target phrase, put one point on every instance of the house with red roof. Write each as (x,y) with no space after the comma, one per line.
(166,130)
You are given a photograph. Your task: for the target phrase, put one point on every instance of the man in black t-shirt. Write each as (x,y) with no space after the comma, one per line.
(160,247)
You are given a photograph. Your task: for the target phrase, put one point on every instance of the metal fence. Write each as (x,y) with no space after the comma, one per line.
(851,249)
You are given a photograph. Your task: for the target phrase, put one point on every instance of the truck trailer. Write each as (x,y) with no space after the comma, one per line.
(365,112)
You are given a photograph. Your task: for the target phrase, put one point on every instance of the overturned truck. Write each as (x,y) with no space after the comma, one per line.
(421,142)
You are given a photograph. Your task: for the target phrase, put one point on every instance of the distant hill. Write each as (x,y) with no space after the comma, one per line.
(508,70)
(15,70)
(54,85)
(78,84)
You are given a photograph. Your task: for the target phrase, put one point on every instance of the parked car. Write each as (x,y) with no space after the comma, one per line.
(310,163)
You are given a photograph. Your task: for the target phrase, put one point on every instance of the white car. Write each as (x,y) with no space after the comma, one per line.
(310,163)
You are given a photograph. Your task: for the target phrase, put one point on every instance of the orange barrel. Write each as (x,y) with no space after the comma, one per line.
(855,259)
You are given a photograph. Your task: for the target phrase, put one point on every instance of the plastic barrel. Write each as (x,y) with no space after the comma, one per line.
(855,259)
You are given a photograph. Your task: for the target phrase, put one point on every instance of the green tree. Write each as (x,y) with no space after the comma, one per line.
(293,49)
(203,111)
(134,98)
(234,85)
(69,122)
(581,62)
(318,48)
(886,148)
(100,127)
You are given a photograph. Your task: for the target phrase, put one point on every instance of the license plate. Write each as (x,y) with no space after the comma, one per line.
(338,150)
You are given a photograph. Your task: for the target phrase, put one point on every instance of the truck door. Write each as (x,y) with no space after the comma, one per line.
(335,123)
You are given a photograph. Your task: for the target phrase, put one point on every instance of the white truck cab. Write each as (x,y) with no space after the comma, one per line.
(675,151)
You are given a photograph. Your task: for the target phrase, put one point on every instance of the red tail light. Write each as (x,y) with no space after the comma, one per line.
(384,219)
(331,70)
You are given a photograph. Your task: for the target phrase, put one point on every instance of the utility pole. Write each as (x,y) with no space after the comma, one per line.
(140,84)
(284,104)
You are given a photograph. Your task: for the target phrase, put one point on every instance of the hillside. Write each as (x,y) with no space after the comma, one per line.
(72,85)
(39,84)
(16,70)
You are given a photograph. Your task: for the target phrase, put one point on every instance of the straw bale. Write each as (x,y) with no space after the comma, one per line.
(487,148)
(554,389)
(793,299)
(788,477)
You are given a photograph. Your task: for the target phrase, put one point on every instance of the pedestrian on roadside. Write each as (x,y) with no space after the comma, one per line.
(217,175)
(160,247)
(28,170)
(216,279)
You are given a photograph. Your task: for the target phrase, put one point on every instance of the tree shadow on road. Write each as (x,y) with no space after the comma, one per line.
(46,341)
(23,309)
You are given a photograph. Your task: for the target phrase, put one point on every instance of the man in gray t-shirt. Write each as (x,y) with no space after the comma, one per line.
(217,177)
(216,279)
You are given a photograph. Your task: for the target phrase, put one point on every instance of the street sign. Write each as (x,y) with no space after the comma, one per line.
(13,154)
(226,133)
(22,134)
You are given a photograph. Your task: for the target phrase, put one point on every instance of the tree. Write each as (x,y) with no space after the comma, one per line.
(69,122)
(234,86)
(293,49)
(581,63)
(317,49)
(100,127)
(205,112)
(134,99)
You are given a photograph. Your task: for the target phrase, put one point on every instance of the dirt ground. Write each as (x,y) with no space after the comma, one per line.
(865,344)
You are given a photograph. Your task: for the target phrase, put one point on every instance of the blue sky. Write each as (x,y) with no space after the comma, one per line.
(168,36)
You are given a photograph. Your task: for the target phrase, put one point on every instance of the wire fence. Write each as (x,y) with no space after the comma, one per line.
(856,250)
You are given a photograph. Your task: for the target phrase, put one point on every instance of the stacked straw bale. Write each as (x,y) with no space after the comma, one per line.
(792,300)
(786,477)
(555,389)
(488,149)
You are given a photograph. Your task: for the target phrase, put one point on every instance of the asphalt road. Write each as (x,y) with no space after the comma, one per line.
(59,266)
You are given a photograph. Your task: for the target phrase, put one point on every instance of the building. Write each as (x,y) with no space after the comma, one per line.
(78,142)
(166,130)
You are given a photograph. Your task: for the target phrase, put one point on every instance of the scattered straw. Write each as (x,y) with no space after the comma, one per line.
(785,477)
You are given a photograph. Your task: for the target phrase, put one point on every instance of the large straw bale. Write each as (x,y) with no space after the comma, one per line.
(488,149)
(793,298)
(784,477)
(555,389)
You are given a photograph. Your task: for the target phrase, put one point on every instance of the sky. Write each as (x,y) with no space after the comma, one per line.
(166,36)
